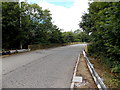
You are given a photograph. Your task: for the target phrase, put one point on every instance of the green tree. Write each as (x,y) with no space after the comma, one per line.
(25,24)
(68,36)
(56,35)
(102,22)
(10,24)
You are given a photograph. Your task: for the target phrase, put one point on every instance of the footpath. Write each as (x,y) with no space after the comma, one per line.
(82,77)
(83,71)
(85,75)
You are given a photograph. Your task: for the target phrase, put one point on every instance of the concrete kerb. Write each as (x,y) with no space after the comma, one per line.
(14,51)
(97,79)
(23,50)
(74,73)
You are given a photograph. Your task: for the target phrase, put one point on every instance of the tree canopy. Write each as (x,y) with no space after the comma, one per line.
(24,24)
(102,22)
(28,24)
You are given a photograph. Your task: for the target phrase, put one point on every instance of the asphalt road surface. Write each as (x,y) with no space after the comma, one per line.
(48,68)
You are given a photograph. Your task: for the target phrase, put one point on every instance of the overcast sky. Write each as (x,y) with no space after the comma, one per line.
(66,14)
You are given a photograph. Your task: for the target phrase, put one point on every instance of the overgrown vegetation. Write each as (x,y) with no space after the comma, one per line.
(26,24)
(102,23)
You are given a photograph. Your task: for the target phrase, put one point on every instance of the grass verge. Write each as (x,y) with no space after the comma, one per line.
(105,73)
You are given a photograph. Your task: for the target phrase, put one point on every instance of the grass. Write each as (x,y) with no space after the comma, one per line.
(105,73)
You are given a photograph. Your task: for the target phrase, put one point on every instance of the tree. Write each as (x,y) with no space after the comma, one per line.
(102,22)
(10,24)
(68,36)
(28,24)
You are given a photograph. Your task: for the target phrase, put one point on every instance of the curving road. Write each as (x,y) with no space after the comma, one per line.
(48,68)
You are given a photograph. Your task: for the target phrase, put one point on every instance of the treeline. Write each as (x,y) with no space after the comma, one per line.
(102,23)
(76,36)
(26,24)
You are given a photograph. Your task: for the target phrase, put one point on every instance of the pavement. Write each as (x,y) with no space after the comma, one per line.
(47,68)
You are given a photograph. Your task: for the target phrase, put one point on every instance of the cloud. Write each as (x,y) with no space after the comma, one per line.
(66,18)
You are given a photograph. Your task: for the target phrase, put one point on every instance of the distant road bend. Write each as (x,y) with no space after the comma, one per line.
(48,68)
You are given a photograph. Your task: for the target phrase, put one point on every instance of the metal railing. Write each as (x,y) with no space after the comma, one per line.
(96,77)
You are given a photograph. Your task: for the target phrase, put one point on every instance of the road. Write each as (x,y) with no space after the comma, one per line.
(47,68)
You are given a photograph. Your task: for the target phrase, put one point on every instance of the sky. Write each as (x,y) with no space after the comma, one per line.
(66,14)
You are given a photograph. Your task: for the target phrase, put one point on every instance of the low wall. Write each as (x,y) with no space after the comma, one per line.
(43,46)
